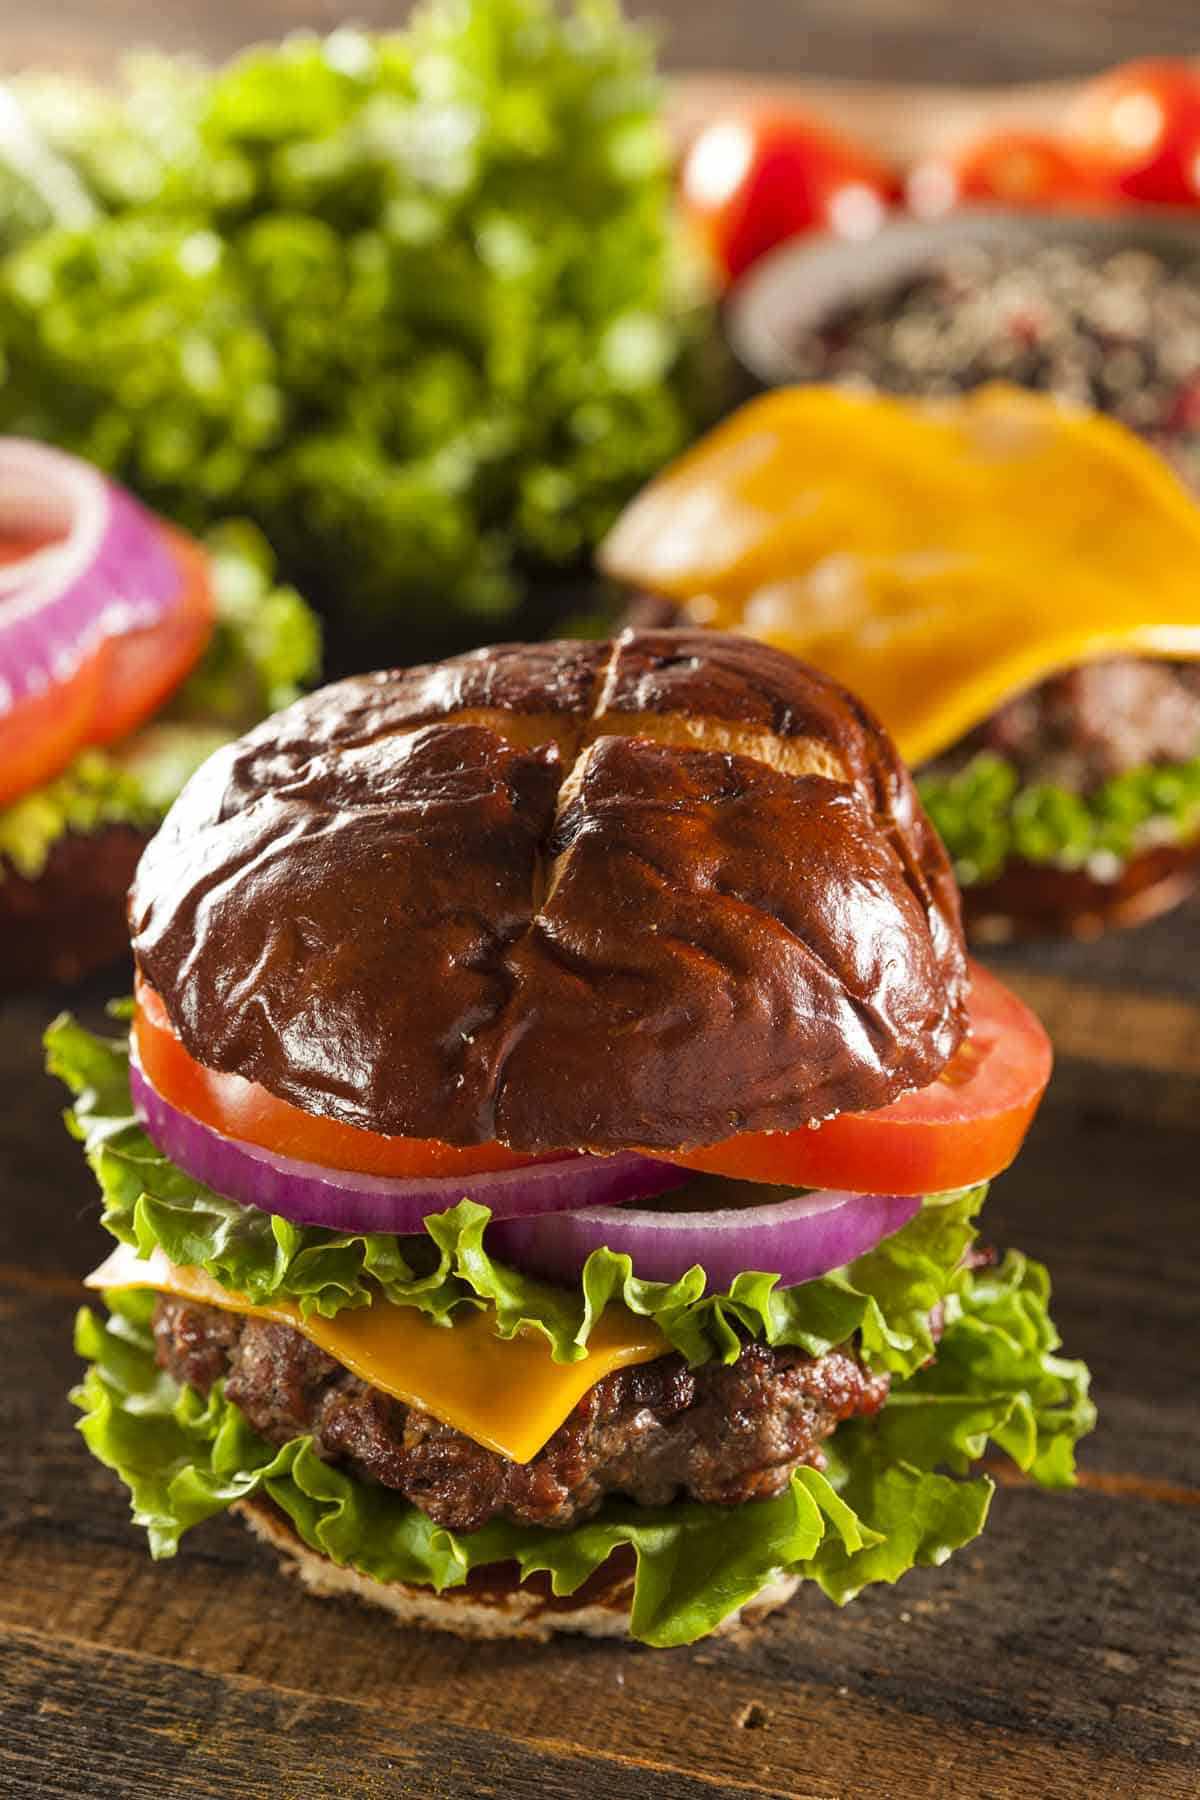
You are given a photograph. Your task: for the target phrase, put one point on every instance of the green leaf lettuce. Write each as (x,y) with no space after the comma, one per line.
(414,301)
(987,816)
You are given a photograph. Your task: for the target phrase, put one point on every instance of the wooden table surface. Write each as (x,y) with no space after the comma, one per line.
(871,40)
(1055,1660)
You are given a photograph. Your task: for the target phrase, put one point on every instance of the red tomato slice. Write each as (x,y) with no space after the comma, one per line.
(243,1109)
(40,735)
(145,667)
(1138,128)
(751,180)
(965,1127)
(117,689)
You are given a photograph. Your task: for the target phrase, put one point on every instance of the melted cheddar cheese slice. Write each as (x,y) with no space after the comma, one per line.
(506,1393)
(936,557)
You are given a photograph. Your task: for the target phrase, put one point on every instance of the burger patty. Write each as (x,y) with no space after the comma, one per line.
(1081,728)
(723,1433)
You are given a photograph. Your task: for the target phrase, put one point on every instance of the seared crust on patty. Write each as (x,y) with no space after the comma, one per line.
(1081,728)
(70,919)
(644,893)
(723,1433)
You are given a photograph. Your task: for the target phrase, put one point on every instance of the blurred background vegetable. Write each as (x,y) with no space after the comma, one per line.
(754,178)
(412,302)
(1138,128)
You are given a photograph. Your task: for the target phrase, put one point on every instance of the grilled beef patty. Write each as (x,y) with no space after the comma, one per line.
(723,1433)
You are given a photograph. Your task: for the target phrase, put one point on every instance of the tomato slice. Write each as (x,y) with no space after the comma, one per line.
(40,735)
(245,1110)
(964,1127)
(124,683)
(145,667)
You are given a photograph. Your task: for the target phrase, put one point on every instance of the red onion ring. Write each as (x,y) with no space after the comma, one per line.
(107,569)
(309,1194)
(796,1239)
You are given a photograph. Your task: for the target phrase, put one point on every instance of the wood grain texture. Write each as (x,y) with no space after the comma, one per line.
(881,41)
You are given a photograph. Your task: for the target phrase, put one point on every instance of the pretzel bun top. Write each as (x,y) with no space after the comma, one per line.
(644,893)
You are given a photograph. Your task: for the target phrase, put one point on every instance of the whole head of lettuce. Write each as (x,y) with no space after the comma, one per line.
(413,301)
(895,1492)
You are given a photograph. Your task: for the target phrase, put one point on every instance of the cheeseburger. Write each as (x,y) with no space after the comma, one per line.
(1012,584)
(546,1154)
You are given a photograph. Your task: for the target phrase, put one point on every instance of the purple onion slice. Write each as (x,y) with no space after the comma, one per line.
(309,1194)
(796,1239)
(104,568)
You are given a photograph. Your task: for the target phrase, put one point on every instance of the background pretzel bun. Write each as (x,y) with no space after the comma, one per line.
(60,924)
(648,892)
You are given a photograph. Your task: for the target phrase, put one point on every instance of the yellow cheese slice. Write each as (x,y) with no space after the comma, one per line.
(937,557)
(506,1393)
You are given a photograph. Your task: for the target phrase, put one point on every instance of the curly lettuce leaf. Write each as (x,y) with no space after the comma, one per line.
(184,1459)
(986,815)
(885,1298)
(995,1378)
(265,646)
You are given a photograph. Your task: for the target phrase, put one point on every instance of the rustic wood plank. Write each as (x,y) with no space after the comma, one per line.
(1120,1027)
(1162,957)
(228,1738)
(1033,1663)
(52,1214)
(879,41)
(1110,1207)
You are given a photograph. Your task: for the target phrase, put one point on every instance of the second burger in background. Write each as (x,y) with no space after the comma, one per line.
(1011,583)
(128,652)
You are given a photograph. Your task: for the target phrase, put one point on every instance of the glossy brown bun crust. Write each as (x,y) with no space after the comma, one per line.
(649,892)
(69,919)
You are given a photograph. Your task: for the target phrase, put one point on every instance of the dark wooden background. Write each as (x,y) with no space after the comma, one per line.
(1055,1660)
(874,40)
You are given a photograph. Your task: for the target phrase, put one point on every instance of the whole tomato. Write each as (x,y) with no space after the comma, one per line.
(1004,168)
(1138,128)
(750,180)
